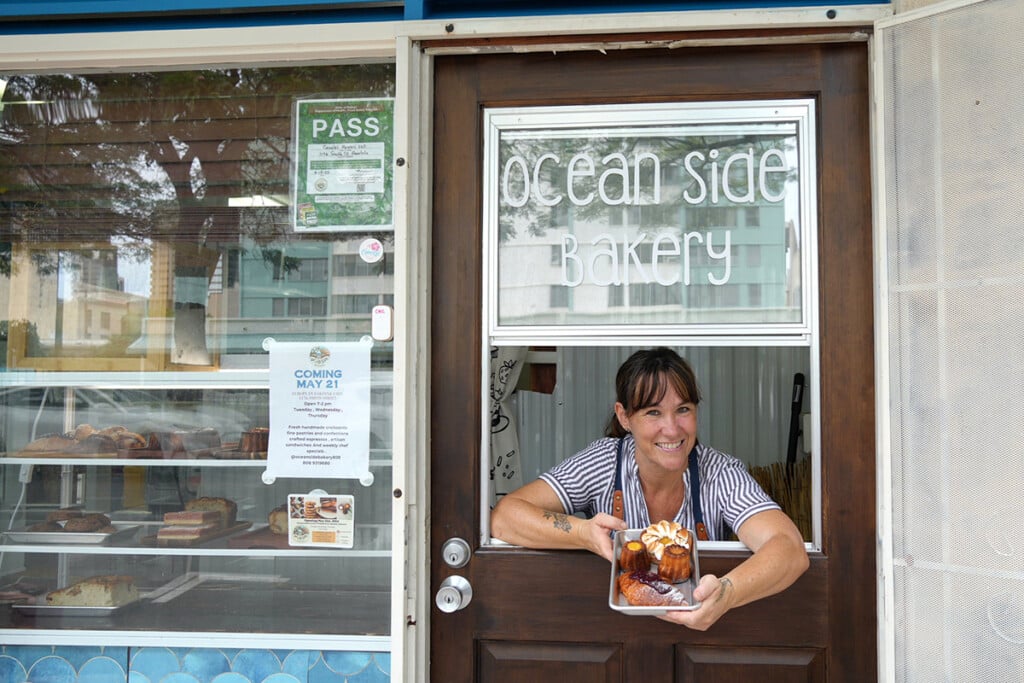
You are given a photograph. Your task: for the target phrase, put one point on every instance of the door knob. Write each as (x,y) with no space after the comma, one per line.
(454,594)
(455,552)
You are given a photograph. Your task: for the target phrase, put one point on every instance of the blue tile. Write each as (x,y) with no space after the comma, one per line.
(179,677)
(136,677)
(206,664)
(321,673)
(370,674)
(155,662)
(383,661)
(29,654)
(231,678)
(52,670)
(256,664)
(346,663)
(102,670)
(297,663)
(12,670)
(282,678)
(77,656)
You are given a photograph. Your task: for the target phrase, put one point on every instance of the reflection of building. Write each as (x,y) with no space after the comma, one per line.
(703,284)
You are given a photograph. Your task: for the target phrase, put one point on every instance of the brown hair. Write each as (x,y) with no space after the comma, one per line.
(645,377)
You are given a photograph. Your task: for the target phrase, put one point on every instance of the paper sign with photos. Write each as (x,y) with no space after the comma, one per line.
(321,520)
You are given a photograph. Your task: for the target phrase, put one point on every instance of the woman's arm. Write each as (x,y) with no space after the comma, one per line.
(533,517)
(779,558)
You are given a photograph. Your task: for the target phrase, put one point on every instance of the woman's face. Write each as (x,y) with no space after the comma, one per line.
(664,433)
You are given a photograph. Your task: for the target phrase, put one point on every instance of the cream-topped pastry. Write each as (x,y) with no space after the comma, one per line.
(664,533)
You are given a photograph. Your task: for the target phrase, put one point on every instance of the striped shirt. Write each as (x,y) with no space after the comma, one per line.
(728,494)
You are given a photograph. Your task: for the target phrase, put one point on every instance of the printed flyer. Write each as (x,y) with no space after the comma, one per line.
(342,176)
(321,520)
(319,410)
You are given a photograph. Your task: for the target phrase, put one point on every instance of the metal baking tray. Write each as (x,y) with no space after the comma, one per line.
(618,602)
(123,534)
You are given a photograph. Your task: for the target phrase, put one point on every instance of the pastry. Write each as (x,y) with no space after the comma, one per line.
(664,533)
(46,526)
(255,440)
(54,443)
(186,533)
(192,517)
(228,509)
(634,556)
(278,520)
(93,444)
(63,514)
(97,591)
(646,589)
(87,523)
(83,431)
(675,563)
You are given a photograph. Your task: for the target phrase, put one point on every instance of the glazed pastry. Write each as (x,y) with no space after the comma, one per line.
(646,589)
(662,534)
(675,563)
(634,556)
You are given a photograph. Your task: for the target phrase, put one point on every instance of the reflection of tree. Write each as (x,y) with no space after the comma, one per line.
(154,156)
(535,219)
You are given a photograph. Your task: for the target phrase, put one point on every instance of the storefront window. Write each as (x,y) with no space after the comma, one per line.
(148,252)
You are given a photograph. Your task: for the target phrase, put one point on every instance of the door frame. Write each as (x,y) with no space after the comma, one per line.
(840,376)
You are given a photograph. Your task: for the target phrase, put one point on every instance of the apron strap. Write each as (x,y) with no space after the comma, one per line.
(698,513)
(618,507)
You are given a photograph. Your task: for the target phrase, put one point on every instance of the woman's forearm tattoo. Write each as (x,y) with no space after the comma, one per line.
(561,521)
(726,586)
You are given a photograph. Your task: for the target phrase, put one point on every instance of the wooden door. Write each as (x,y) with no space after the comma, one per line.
(539,616)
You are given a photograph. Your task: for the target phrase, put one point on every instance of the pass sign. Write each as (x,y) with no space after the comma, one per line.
(342,177)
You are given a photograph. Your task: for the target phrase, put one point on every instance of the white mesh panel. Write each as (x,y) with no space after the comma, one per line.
(953,91)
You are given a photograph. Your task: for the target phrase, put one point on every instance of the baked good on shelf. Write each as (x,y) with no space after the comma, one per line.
(53,443)
(664,533)
(228,509)
(192,517)
(278,520)
(634,556)
(646,589)
(84,430)
(675,563)
(96,591)
(94,444)
(254,440)
(62,514)
(46,526)
(186,533)
(87,523)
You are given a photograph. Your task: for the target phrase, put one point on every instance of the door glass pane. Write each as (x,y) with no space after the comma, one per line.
(549,403)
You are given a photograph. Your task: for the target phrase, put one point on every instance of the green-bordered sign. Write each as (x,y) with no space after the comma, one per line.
(342,179)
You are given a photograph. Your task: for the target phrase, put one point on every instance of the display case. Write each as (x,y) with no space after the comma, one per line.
(151,249)
(87,506)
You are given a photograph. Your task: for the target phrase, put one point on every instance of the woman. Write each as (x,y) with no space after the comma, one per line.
(655,428)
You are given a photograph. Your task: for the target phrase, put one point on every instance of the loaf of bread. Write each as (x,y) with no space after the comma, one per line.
(53,443)
(96,591)
(228,509)
(87,523)
(62,514)
(278,520)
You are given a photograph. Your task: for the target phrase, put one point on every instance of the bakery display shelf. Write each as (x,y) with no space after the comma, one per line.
(123,535)
(216,548)
(41,609)
(378,458)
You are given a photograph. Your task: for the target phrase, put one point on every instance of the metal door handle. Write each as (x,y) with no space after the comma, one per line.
(454,594)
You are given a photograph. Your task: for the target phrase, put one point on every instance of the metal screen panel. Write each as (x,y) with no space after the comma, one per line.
(952,129)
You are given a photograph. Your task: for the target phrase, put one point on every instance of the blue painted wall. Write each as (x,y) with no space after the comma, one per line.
(33,16)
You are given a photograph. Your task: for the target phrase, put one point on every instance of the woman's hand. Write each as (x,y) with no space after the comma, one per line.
(714,595)
(596,533)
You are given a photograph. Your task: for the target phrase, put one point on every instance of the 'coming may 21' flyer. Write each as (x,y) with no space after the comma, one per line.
(319,410)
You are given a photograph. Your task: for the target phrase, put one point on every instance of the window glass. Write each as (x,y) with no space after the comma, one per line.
(147,254)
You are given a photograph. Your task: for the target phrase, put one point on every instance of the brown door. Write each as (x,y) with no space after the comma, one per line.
(539,616)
